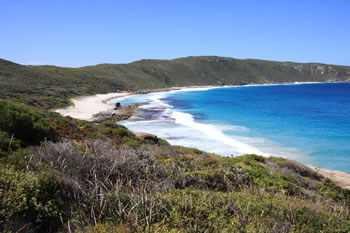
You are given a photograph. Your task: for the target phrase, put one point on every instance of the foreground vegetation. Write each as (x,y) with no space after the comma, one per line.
(65,175)
(52,87)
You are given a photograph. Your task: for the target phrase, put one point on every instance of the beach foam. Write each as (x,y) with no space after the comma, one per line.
(180,128)
(214,133)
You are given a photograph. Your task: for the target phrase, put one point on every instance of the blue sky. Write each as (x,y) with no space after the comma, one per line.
(87,32)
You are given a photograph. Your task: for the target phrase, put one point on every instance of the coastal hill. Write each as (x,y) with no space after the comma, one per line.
(52,87)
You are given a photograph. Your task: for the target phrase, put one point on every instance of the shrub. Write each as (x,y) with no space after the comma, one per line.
(24,123)
(101,178)
(18,159)
(30,202)
(131,142)
(107,228)
(7,143)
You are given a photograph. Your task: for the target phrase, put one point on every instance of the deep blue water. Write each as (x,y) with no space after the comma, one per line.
(309,123)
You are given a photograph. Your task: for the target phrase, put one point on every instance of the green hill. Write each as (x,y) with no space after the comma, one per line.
(51,86)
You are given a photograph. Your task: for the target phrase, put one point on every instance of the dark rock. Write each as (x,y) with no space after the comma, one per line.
(119,114)
(117,105)
(147,136)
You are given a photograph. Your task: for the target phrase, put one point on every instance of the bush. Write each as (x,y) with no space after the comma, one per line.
(30,202)
(24,123)
(107,228)
(7,143)
(18,159)
(101,178)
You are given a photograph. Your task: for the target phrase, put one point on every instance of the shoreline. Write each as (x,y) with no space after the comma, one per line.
(207,87)
(85,107)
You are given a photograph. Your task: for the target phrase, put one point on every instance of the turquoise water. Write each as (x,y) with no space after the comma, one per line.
(309,123)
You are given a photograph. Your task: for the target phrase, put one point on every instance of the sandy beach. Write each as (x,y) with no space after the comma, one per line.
(342,179)
(85,107)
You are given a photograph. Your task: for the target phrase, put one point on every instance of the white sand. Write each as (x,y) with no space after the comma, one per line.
(340,178)
(85,107)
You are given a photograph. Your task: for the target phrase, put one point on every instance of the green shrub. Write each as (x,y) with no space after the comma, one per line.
(331,190)
(18,159)
(203,211)
(131,142)
(30,202)
(24,123)
(107,228)
(163,142)
(7,143)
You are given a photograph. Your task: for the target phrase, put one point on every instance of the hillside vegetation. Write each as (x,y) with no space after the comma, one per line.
(52,87)
(78,176)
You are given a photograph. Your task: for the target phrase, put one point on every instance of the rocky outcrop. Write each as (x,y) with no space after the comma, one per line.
(147,136)
(117,105)
(119,113)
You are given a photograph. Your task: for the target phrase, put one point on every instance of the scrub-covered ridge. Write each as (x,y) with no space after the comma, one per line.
(52,87)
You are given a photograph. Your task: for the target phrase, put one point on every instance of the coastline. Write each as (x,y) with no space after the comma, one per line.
(207,87)
(85,107)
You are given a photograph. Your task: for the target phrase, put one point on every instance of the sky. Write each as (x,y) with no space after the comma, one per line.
(76,33)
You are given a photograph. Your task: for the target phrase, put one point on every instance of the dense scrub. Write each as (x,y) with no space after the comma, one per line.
(89,177)
(23,123)
(52,87)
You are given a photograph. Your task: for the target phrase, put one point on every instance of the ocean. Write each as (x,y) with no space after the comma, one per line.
(309,123)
